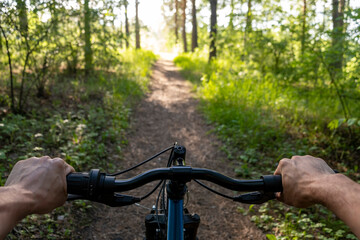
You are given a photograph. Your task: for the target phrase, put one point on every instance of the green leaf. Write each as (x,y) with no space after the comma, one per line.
(251,208)
(271,236)
(2,156)
(341,121)
(351,121)
(333,124)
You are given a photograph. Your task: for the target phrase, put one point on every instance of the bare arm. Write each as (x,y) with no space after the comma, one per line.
(308,180)
(36,185)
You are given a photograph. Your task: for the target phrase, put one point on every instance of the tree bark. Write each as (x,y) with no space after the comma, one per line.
(137,25)
(231,20)
(23,19)
(213,29)
(303,32)
(248,26)
(194,35)
(12,96)
(337,36)
(176,21)
(87,47)
(127,32)
(184,25)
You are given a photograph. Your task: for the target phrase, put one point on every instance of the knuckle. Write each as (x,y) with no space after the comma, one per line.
(58,161)
(284,161)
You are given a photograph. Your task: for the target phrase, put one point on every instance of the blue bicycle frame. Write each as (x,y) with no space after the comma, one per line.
(175,226)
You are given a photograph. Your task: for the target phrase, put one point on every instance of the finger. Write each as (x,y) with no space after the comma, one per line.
(69,169)
(279,196)
(282,162)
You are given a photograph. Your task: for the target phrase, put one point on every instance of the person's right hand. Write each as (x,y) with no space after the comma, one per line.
(301,176)
(308,180)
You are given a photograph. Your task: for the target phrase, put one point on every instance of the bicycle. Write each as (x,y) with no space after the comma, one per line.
(172,221)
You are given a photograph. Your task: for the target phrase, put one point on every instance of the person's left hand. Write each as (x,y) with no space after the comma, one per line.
(42,181)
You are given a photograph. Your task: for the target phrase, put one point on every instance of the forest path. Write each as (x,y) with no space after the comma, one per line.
(168,114)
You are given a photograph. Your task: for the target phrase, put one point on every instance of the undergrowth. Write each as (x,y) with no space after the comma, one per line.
(83,122)
(262,119)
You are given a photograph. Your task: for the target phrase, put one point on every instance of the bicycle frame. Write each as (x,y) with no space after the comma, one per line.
(175,226)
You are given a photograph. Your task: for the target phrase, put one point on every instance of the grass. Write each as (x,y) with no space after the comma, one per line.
(261,119)
(82,122)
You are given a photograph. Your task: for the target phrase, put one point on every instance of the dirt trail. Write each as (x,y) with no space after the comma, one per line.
(166,115)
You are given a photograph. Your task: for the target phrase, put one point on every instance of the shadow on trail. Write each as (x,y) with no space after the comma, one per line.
(168,114)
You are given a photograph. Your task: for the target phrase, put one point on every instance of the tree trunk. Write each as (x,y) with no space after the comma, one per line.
(176,21)
(87,47)
(137,26)
(231,20)
(121,33)
(23,19)
(127,32)
(337,36)
(248,26)
(105,35)
(194,35)
(213,29)
(303,32)
(184,25)
(12,96)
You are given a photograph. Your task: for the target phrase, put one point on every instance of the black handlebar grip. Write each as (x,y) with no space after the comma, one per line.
(272,183)
(78,183)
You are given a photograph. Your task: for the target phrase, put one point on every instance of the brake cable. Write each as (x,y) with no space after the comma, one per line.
(212,190)
(142,163)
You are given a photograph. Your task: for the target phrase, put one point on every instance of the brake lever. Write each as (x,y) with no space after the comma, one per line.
(115,200)
(118,200)
(72,197)
(255,197)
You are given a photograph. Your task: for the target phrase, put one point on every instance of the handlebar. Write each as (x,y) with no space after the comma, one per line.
(97,186)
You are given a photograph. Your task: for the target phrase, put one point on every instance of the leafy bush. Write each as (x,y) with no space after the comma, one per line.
(261,118)
(84,123)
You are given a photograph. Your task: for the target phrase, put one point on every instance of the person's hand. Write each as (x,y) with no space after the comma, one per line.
(41,181)
(300,177)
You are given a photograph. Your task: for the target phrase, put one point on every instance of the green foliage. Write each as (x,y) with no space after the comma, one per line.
(83,123)
(261,118)
(192,68)
(292,223)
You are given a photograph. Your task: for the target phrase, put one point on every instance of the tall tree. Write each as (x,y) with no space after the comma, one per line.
(137,25)
(303,30)
(127,32)
(23,18)
(184,25)
(12,96)
(337,35)
(213,29)
(87,47)
(231,20)
(176,17)
(248,26)
(194,34)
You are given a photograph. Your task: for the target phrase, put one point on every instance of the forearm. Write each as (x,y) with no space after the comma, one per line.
(342,196)
(14,205)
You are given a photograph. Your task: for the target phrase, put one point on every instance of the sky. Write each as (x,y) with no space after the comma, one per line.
(149,13)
